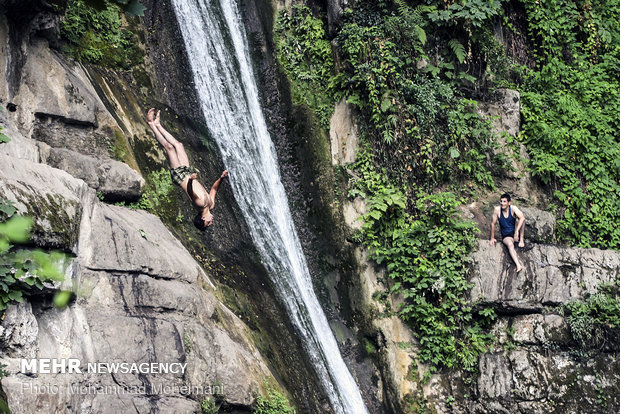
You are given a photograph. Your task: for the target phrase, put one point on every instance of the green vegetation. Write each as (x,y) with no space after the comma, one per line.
(133,7)
(425,248)
(119,148)
(187,341)
(273,403)
(208,406)
(157,194)
(594,319)
(97,35)
(22,270)
(412,69)
(306,57)
(422,129)
(420,133)
(3,138)
(571,118)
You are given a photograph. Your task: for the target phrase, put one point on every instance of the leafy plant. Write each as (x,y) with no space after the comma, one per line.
(208,406)
(157,192)
(419,132)
(570,115)
(21,270)
(592,319)
(425,132)
(97,36)
(273,403)
(425,248)
(3,138)
(133,7)
(305,55)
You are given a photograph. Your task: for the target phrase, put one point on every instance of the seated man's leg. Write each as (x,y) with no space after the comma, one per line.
(510,244)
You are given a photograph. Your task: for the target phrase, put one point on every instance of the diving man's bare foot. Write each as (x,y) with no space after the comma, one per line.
(519,268)
(224,174)
(152,117)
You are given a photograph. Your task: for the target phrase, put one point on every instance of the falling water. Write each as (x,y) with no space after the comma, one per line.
(218,53)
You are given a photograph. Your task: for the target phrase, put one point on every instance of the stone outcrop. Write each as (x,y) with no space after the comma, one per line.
(504,112)
(539,225)
(537,365)
(552,275)
(56,104)
(343,134)
(114,179)
(140,297)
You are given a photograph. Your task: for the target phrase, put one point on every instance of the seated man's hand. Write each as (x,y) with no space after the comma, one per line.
(193,176)
(492,241)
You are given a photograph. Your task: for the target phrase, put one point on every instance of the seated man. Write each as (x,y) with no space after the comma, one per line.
(182,174)
(507,216)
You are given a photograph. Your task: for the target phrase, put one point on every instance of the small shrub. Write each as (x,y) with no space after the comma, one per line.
(208,406)
(22,270)
(273,403)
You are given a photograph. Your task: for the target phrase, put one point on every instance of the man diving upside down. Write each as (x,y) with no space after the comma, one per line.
(182,174)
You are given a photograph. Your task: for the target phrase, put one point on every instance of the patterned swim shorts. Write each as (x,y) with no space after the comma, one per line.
(179,174)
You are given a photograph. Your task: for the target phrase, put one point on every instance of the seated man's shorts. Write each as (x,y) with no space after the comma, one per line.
(179,174)
(508,235)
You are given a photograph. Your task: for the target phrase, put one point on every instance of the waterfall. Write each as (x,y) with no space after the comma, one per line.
(218,52)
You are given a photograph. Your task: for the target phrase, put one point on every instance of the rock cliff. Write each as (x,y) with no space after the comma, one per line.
(140,295)
(536,365)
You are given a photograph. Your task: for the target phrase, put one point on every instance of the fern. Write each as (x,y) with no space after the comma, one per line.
(458,49)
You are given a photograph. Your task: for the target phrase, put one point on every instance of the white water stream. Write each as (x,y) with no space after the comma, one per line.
(218,51)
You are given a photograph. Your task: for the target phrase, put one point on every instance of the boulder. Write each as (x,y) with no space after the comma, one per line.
(51,197)
(114,179)
(119,239)
(539,225)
